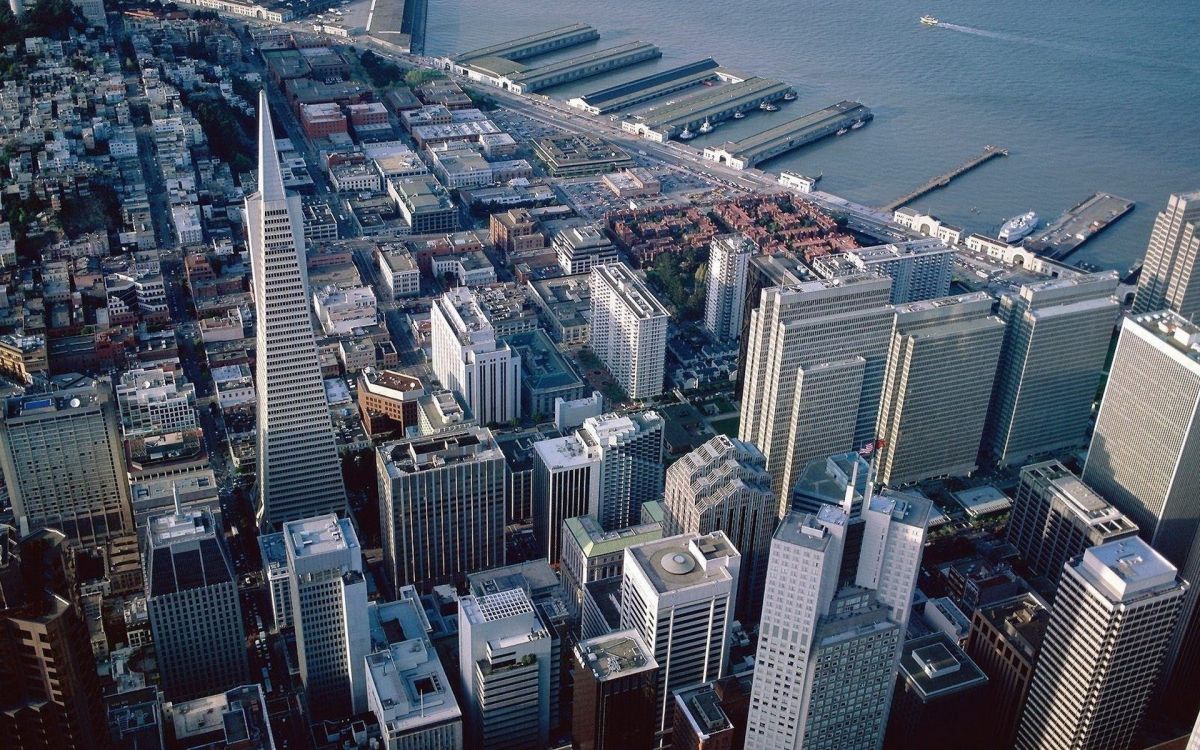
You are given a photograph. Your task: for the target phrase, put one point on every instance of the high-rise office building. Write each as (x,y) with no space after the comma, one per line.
(1118,605)
(299,473)
(939,697)
(629,330)
(505,671)
(590,552)
(723,486)
(63,462)
(920,269)
(815,366)
(1169,279)
(154,401)
(49,689)
(470,360)
(728,260)
(764,272)
(1055,344)
(1055,517)
(566,484)
(278,578)
(329,612)
(712,715)
(631,463)
(194,608)
(441,506)
(679,593)
(838,595)
(825,481)
(615,676)
(937,387)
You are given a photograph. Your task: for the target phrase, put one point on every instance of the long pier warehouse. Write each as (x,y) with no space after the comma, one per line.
(506,73)
(770,143)
(630,93)
(667,120)
(535,44)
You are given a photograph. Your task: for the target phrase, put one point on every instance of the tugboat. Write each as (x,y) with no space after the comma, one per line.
(706,127)
(768,107)
(739,115)
(929,21)
(790,96)
(686,134)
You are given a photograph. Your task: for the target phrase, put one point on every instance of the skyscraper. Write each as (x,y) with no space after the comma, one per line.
(589,552)
(630,447)
(678,594)
(1169,279)
(629,330)
(441,506)
(195,612)
(614,693)
(1055,517)
(937,387)
(566,484)
(468,358)
(1055,344)
(329,612)
(723,486)
(815,366)
(764,272)
(63,462)
(299,473)
(728,260)
(1117,607)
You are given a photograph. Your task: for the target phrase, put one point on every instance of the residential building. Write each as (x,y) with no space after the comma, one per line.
(937,386)
(920,269)
(1055,345)
(1117,608)
(468,358)
(590,553)
(299,474)
(194,606)
(615,676)
(1169,280)
(630,447)
(628,330)
(723,485)
(728,261)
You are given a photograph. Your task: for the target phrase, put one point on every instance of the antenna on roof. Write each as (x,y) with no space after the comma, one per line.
(848,500)
(175,496)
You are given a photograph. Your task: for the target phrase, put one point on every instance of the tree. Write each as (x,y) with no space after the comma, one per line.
(52,18)
(415,78)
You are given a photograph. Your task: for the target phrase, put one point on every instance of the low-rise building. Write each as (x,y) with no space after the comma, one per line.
(579,155)
(341,311)
(545,373)
(565,303)
(22,356)
(398,270)
(516,231)
(468,269)
(582,248)
(321,120)
(424,204)
(387,401)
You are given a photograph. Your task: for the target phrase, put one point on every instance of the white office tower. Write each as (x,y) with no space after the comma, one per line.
(299,473)
(724,486)
(1055,517)
(468,359)
(1194,739)
(154,401)
(1169,278)
(629,330)
(921,269)
(937,387)
(1117,608)
(329,613)
(278,578)
(838,594)
(1055,344)
(193,604)
(64,465)
(815,366)
(566,484)
(728,259)
(679,593)
(441,507)
(504,665)
(631,464)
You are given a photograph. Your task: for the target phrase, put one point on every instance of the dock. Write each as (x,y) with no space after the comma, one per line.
(625,95)
(768,144)
(511,75)
(665,121)
(944,179)
(534,44)
(1070,231)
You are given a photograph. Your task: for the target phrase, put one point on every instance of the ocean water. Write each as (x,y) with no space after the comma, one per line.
(1087,95)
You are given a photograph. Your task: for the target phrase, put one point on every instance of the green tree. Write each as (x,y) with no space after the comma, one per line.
(415,78)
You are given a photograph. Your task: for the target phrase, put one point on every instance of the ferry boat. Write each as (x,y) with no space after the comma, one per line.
(768,107)
(789,96)
(1018,227)
(929,21)
(706,127)
(686,134)
(739,115)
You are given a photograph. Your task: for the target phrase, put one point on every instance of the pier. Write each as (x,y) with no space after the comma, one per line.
(625,95)
(534,44)
(1075,227)
(942,180)
(793,134)
(510,75)
(665,121)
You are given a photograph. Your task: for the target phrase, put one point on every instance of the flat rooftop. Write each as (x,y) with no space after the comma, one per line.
(615,655)
(471,445)
(565,453)
(542,365)
(595,541)
(516,49)
(796,129)
(630,289)
(682,562)
(935,667)
(319,535)
(1126,569)
(1177,332)
(980,501)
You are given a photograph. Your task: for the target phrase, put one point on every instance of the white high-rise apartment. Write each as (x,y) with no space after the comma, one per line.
(1118,605)
(814,371)
(329,612)
(441,506)
(505,671)
(679,593)
(1055,345)
(194,606)
(63,462)
(728,259)
(631,464)
(629,330)
(838,595)
(299,473)
(724,486)
(1169,279)
(468,359)
(566,484)
(154,401)
(937,387)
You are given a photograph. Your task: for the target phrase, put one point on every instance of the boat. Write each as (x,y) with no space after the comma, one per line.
(929,21)
(768,107)
(739,115)
(789,96)
(858,124)
(1018,227)
(843,131)
(706,127)
(686,134)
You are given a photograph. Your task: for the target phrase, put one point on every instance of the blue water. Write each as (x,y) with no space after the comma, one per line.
(1087,96)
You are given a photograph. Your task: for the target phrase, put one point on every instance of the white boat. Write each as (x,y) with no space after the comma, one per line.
(858,124)
(768,107)
(789,96)
(738,115)
(843,131)
(686,135)
(929,21)
(1018,227)
(706,127)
